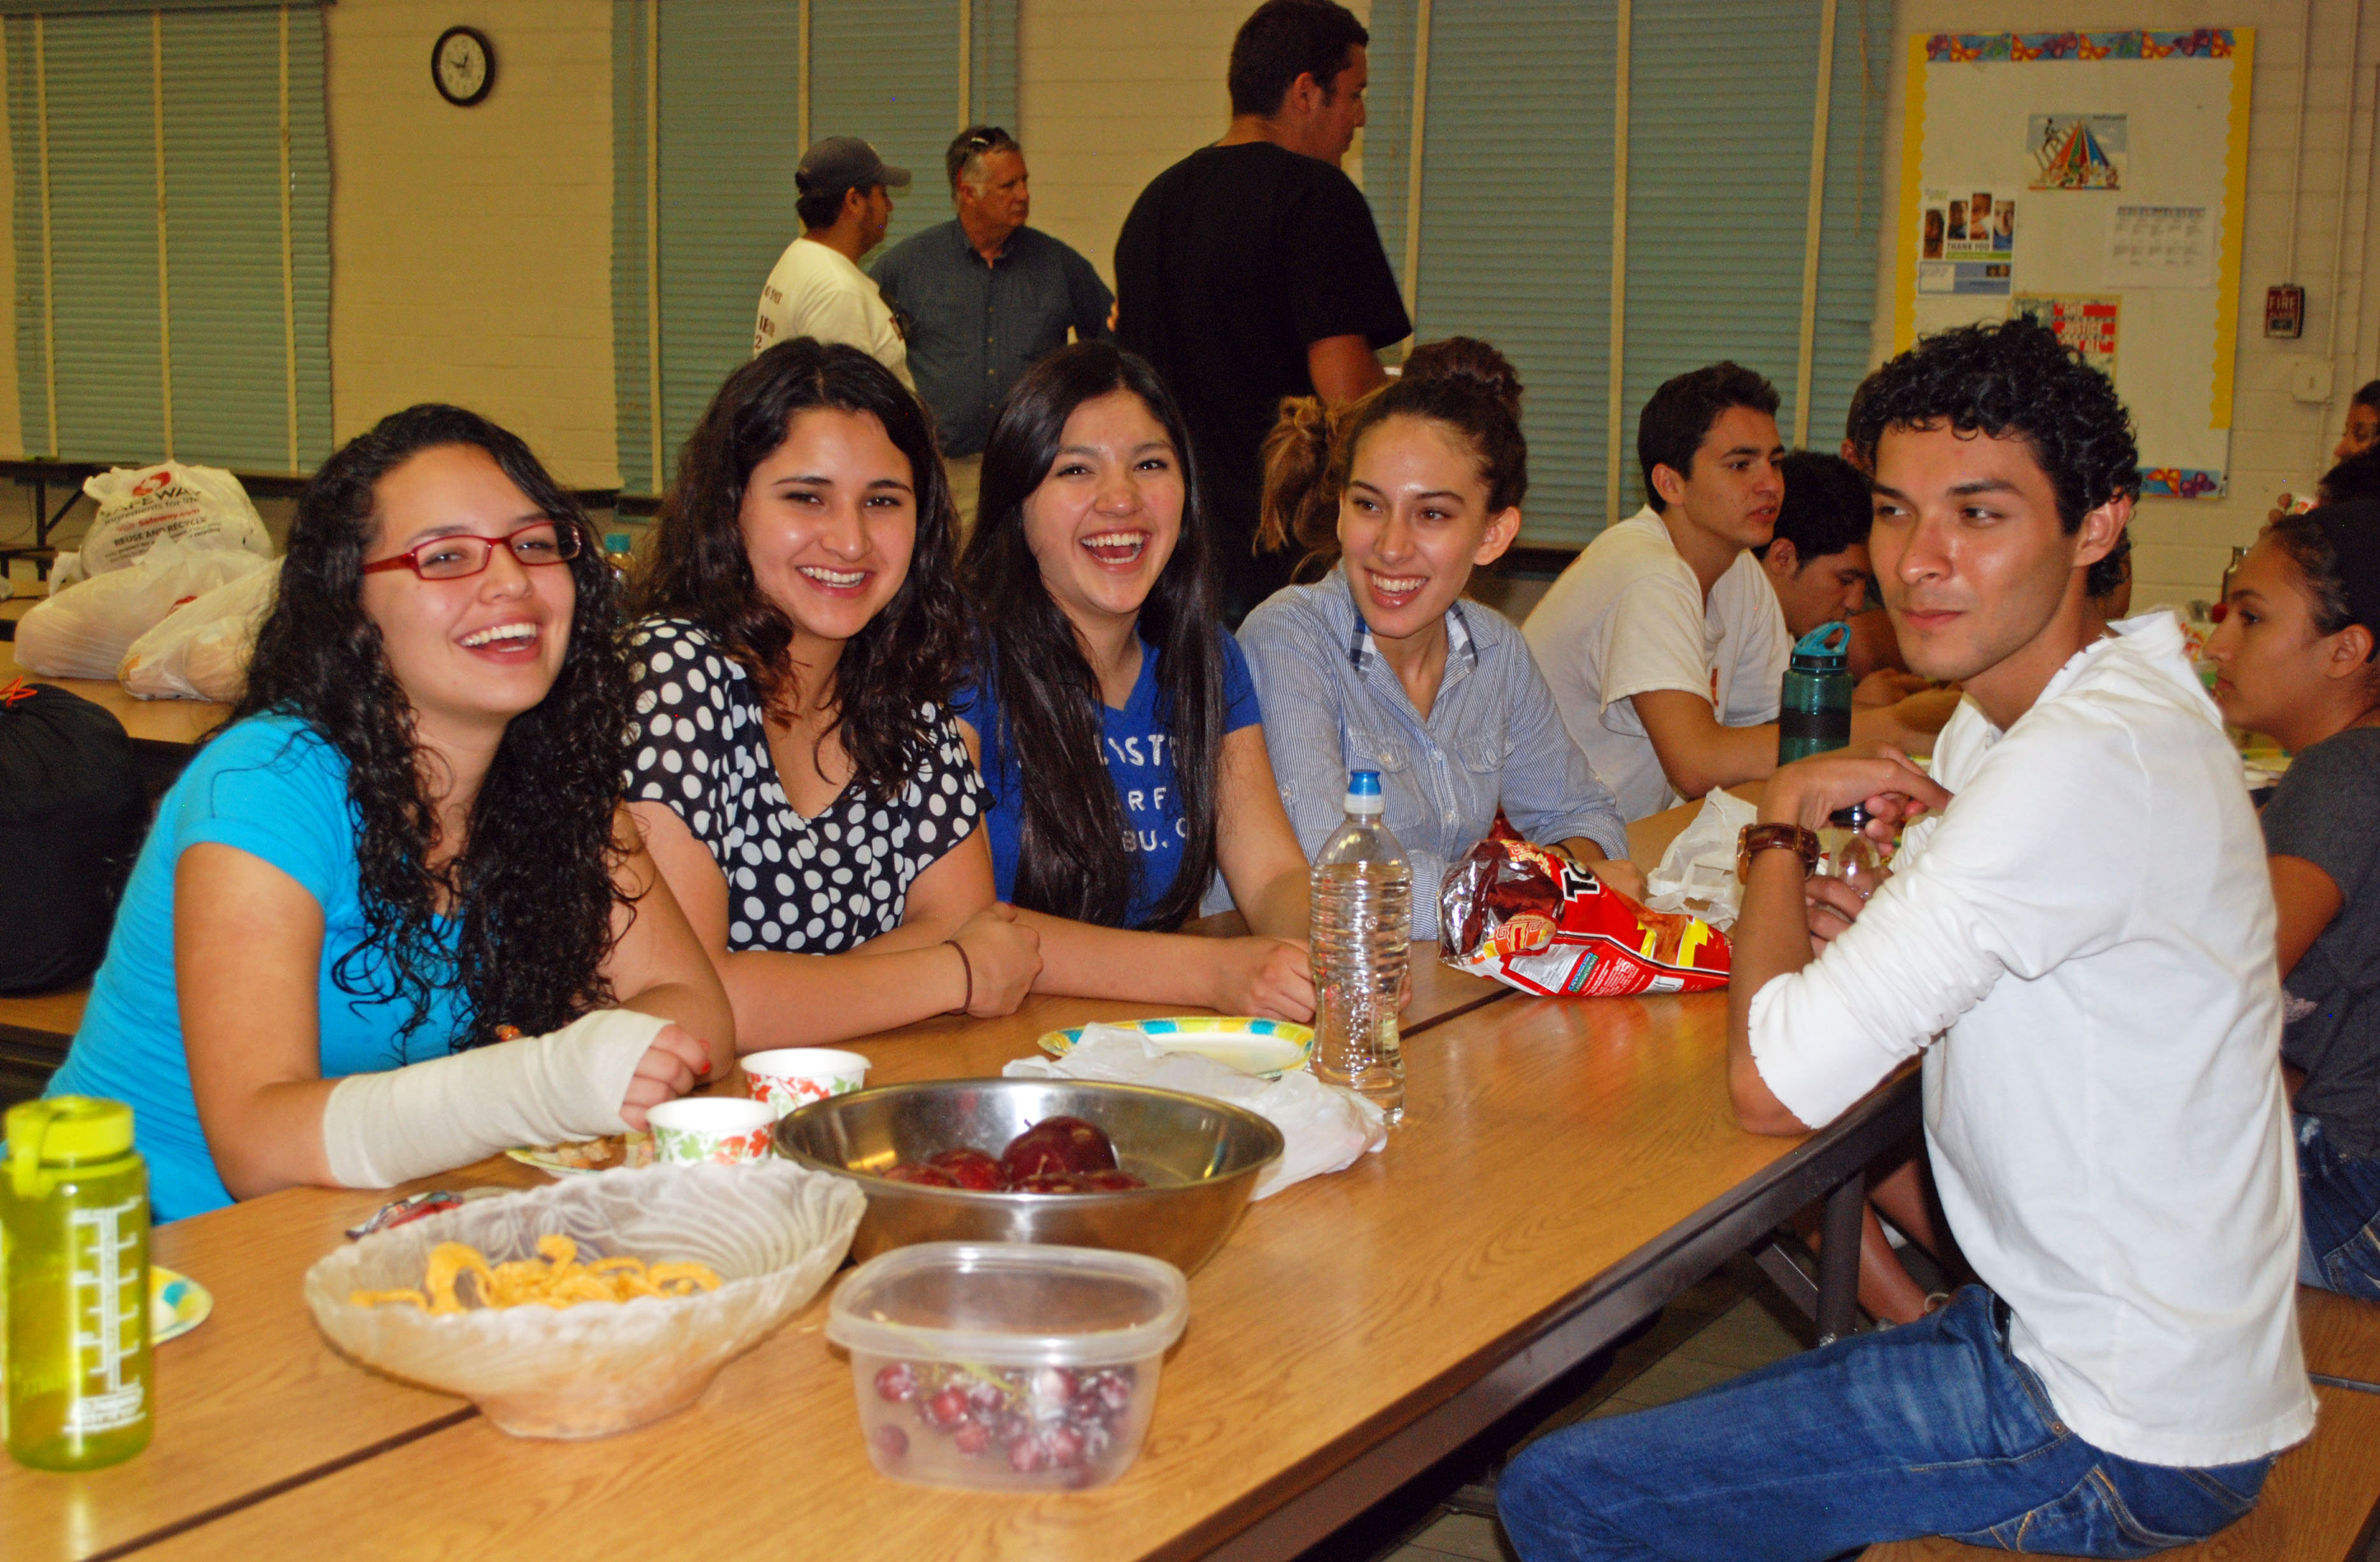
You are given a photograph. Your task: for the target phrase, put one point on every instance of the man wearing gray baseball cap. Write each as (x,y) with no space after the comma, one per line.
(817,288)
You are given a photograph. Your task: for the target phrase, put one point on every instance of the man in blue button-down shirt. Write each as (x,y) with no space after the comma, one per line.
(984,297)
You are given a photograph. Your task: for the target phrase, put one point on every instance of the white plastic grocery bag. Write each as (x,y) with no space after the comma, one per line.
(1697,874)
(84,631)
(140,506)
(201,650)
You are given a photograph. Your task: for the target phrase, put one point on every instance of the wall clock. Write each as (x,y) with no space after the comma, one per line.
(463,66)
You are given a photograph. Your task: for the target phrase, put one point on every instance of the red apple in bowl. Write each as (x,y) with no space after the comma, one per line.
(1057,1144)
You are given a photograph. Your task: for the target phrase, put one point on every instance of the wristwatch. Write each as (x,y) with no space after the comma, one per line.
(1760,837)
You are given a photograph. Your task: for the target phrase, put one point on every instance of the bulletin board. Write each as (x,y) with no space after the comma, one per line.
(2095,181)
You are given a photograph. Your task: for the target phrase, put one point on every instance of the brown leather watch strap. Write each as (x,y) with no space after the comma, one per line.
(1791,837)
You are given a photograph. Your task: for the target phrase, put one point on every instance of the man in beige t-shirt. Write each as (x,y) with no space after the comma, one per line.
(817,288)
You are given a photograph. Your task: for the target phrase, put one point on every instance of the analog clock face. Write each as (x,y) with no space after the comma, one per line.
(463,66)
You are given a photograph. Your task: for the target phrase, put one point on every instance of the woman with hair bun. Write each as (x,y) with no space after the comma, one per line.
(1119,734)
(1380,665)
(795,763)
(393,917)
(2297,658)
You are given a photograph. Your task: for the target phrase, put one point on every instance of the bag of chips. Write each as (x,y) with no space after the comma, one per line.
(1532,919)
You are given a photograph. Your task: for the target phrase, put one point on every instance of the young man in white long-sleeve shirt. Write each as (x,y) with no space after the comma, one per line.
(2077,935)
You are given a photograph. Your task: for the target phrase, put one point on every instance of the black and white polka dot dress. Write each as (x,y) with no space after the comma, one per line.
(807,886)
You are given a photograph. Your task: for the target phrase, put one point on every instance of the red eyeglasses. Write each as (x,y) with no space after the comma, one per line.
(465,555)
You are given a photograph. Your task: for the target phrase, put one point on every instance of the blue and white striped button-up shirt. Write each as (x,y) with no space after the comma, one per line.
(1493,736)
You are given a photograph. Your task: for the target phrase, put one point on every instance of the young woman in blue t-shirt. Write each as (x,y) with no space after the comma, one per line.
(1112,714)
(407,846)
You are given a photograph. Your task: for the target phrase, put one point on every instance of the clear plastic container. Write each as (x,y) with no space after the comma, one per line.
(1361,891)
(1007,1366)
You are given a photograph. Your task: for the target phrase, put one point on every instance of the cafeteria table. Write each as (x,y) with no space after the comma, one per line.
(1566,1168)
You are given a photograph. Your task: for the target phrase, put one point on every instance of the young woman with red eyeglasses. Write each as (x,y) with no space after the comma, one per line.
(393,917)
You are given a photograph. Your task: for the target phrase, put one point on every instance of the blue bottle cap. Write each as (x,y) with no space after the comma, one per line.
(1825,649)
(1364,793)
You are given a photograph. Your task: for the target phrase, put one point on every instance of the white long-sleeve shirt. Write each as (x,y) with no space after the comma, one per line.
(2082,945)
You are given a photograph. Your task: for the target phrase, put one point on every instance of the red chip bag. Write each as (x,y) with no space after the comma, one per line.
(1533,920)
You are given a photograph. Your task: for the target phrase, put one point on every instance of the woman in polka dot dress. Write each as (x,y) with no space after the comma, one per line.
(799,777)
(1116,721)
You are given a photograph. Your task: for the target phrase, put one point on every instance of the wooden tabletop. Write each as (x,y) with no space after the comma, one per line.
(1544,1142)
(255,1397)
(174,723)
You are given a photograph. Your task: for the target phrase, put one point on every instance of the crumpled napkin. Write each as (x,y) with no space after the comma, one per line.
(1699,867)
(1324,1129)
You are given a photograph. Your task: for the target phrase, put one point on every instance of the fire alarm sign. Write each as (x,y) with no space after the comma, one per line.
(2285,310)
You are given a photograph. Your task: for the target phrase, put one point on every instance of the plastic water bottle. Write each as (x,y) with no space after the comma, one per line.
(1813,708)
(1362,888)
(74,1250)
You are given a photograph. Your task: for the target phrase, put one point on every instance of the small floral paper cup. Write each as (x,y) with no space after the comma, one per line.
(723,1130)
(797,1076)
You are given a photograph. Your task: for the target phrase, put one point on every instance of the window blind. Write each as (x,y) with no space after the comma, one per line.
(1516,207)
(706,116)
(172,221)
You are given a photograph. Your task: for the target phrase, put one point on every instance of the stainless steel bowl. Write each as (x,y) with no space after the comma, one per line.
(1199,1157)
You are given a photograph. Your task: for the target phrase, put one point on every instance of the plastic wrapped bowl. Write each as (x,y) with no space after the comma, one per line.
(1007,1366)
(771,1232)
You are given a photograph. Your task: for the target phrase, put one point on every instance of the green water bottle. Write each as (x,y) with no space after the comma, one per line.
(1814,712)
(74,1254)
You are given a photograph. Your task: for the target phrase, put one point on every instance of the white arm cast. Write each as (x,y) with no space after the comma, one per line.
(379,1130)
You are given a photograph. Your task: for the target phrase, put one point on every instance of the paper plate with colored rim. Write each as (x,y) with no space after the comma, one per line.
(176,1304)
(1266,1048)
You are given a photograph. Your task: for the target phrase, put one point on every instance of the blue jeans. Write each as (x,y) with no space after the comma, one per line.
(2341,1196)
(1932,1428)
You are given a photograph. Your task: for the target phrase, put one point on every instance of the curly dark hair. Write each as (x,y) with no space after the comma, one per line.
(1676,417)
(532,890)
(910,654)
(1071,857)
(2016,377)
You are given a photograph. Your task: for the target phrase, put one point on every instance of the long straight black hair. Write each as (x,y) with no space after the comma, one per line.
(1072,858)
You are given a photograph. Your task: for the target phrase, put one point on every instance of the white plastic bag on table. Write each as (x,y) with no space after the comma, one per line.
(1323,1128)
(83,631)
(1697,874)
(201,650)
(140,506)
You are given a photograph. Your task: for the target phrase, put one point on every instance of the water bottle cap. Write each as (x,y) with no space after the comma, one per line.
(1825,649)
(61,1130)
(1363,792)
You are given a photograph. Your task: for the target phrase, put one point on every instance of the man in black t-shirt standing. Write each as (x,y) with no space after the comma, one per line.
(1251,269)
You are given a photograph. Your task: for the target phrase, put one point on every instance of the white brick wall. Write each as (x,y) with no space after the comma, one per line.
(471,248)
(1111,93)
(2276,443)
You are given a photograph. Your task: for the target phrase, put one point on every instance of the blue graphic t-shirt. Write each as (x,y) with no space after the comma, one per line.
(274,788)
(1140,763)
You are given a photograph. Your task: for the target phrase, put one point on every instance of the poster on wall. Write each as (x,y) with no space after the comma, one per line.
(2087,322)
(2077,151)
(2127,152)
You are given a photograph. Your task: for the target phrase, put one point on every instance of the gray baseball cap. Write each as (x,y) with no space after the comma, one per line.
(841,163)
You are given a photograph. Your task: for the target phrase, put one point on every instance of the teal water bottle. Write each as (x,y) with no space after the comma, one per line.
(1814,712)
(74,1260)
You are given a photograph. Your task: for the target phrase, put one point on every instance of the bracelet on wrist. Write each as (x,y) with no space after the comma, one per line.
(1803,843)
